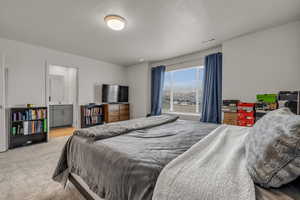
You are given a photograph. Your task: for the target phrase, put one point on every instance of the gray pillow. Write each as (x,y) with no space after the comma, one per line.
(273,149)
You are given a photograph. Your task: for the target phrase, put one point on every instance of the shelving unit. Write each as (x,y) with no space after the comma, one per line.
(91,115)
(27,126)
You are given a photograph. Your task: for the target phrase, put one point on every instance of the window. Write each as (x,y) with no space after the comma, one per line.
(183,90)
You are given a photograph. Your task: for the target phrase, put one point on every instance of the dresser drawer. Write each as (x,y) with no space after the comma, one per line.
(124,112)
(113,107)
(124,106)
(114,113)
(113,118)
(124,117)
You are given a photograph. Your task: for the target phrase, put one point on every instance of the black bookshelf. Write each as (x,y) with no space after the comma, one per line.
(28,125)
(91,115)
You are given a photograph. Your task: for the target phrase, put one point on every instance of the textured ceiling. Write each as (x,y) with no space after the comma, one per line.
(156,29)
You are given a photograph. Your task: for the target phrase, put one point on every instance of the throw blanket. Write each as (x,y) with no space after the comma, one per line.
(119,128)
(212,169)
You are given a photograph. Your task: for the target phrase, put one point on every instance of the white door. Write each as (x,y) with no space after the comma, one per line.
(57,87)
(3,135)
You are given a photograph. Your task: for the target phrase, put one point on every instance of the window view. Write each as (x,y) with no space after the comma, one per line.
(183,90)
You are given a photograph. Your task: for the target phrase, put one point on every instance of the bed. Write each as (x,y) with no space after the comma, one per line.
(123,160)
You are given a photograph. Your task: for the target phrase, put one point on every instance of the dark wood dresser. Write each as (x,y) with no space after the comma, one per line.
(116,112)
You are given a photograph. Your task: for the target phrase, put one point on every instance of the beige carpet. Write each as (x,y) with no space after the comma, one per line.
(25,173)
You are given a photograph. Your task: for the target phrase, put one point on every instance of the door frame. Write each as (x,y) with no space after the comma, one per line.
(47,93)
(3,85)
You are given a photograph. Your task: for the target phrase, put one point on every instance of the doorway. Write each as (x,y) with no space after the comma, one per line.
(62,100)
(3,81)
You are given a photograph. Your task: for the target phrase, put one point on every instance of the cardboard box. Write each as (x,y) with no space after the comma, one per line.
(228,122)
(230,102)
(232,109)
(230,116)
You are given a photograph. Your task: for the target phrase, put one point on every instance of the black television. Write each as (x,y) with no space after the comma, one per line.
(114,93)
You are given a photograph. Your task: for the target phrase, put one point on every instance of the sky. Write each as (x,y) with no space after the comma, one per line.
(183,78)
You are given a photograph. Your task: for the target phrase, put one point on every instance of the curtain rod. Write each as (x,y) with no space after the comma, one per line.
(182,62)
(215,49)
(155,64)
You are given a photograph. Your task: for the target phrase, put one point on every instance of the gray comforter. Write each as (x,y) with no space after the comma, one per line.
(126,164)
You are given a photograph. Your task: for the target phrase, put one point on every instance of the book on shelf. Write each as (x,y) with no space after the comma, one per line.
(25,126)
(90,120)
(29,127)
(92,111)
(29,114)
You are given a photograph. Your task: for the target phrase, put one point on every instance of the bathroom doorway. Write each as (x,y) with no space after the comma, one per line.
(62,100)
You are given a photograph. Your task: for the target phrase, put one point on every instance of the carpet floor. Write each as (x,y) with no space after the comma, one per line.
(25,173)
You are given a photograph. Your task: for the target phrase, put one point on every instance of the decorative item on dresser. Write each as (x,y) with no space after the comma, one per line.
(28,125)
(91,115)
(116,112)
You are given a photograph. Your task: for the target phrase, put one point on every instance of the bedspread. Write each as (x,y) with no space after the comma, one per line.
(126,166)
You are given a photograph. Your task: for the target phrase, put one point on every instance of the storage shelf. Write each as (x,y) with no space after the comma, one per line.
(89,113)
(28,120)
(18,126)
(93,115)
(31,134)
(91,125)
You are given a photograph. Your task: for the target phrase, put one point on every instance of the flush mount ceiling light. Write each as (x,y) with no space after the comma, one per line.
(115,22)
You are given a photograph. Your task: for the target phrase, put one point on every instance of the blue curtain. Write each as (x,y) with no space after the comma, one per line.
(157,84)
(212,89)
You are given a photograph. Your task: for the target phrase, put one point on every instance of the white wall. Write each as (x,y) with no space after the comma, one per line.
(264,62)
(26,73)
(26,76)
(139,89)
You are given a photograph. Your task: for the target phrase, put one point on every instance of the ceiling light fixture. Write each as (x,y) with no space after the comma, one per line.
(115,22)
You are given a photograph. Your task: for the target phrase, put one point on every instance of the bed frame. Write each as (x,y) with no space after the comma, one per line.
(82,190)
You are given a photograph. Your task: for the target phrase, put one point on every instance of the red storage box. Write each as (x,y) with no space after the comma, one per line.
(243,112)
(246,118)
(248,107)
(246,115)
(246,122)
(243,104)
